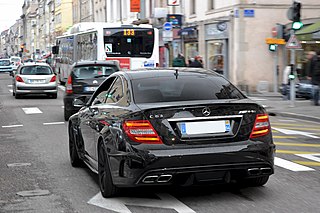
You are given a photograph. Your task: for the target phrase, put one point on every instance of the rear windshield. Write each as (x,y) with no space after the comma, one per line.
(184,88)
(85,72)
(36,70)
(4,62)
(15,59)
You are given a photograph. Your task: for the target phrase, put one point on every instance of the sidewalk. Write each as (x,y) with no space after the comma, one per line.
(275,105)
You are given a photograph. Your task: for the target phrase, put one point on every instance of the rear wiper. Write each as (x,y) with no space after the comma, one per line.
(99,76)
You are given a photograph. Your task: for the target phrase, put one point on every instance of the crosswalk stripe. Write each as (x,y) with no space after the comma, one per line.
(313,157)
(290,165)
(32,110)
(292,152)
(297,144)
(298,128)
(307,163)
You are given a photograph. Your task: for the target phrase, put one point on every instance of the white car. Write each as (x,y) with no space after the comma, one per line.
(34,78)
(15,61)
(5,65)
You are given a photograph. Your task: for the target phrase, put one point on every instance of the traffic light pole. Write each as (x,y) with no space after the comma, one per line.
(293,71)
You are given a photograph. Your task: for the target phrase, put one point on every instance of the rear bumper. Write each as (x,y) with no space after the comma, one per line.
(192,166)
(36,89)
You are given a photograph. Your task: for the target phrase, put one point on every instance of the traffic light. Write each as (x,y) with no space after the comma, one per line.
(296,11)
(296,14)
(273,47)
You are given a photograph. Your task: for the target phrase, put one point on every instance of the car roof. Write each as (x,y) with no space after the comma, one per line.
(167,72)
(4,59)
(35,64)
(97,62)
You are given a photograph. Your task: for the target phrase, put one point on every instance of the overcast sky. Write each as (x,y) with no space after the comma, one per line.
(10,11)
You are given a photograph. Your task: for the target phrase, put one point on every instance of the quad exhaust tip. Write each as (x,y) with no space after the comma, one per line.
(260,171)
(157,179)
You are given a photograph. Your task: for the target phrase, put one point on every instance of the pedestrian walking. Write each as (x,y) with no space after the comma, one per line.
(179,61)
(197,62)
(313,72)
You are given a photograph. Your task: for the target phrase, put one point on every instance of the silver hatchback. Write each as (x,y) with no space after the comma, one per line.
(34,78)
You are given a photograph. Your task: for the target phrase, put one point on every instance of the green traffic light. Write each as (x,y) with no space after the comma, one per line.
(297,25)
(273,47)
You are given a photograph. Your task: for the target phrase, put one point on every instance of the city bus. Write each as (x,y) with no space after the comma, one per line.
(133,46)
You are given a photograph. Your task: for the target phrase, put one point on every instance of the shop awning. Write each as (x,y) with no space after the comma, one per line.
(307,33)
(187,31)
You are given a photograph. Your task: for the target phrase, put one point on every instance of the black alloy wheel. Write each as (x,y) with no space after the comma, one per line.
(73,152)
(105,180)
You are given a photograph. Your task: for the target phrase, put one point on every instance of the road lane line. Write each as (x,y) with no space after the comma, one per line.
(54,123)
(10,85)
(290,165)
(12,126)
(310,156)
(307,163)
(283,136)
(31,110)
(10,90)
(297,144)
(292,152)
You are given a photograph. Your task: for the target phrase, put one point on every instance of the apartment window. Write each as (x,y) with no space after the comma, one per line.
(192,7)
(211,4)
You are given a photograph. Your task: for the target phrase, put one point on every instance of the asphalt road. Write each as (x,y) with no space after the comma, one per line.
(36,175)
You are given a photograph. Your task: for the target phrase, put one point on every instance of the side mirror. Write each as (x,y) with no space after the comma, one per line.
(79,102)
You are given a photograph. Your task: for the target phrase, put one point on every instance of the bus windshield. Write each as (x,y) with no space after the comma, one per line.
(121,42)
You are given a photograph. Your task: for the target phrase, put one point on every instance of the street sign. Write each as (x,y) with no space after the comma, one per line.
(173,2)
(167,26)
(275,41)
(293,43)
(167,35)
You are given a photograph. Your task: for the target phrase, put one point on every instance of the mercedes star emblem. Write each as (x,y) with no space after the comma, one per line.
(206,111)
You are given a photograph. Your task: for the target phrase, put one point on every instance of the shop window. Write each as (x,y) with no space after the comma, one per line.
(211,5)
(192,7)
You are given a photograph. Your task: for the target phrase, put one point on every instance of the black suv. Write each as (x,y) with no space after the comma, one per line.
(84,79)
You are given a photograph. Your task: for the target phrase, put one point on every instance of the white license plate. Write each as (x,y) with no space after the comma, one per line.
(90,89)
(36,81)
(205,127)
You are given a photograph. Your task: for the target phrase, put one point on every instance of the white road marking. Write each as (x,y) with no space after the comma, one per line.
(62,107)
(32,110)
(10,85)
(119,204)
(310,156)
(18,164)
(290,165)
(295,132)
(284,120)
(62,88)
(12,126)
(10,90)
(53,123)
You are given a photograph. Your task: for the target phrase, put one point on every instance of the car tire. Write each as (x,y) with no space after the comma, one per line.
(17,96)
(73,152)
(255,182)
(107,188)
(67,114)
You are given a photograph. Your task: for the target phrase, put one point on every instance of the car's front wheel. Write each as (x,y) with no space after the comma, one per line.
(107,188)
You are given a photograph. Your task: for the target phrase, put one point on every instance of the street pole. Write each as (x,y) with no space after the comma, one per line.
(292,80)
(275,73)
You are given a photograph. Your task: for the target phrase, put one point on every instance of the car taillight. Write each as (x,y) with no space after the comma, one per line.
(19,79)
(141,131)
(261,126)
(53,79)
(69,85)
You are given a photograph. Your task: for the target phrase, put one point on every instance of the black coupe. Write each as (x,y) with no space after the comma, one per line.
(171,126)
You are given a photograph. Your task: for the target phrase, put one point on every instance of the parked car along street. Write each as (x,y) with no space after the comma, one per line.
(5,65)
(15,60)
(84,79)
(184,126)
(34,78)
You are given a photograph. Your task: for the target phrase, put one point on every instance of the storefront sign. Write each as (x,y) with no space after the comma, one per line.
(135,6)
(275,41)
(217,31)
(175,20)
